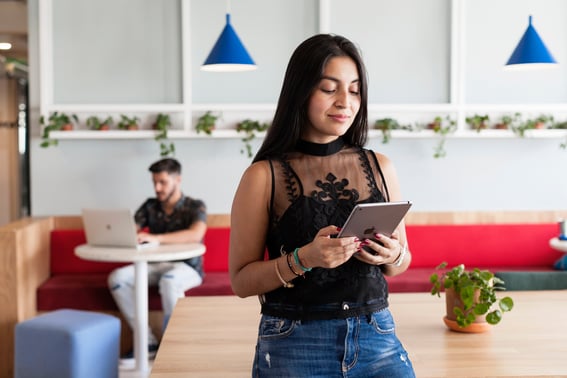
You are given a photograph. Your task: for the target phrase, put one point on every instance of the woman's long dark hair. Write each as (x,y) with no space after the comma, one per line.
(304,71)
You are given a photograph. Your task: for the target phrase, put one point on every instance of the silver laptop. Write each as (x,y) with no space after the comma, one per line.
(111,228)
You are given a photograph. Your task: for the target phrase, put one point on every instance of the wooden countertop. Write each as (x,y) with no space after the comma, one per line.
(216,336)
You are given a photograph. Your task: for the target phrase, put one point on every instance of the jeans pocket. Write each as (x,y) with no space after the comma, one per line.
(383,322)
(272,327)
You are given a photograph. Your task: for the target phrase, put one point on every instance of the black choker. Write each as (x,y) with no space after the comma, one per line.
(320,149)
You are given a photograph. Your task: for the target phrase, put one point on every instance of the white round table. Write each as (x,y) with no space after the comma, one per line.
(140,258)
(560,245)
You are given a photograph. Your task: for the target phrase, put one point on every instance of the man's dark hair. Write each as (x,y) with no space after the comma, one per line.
(168,165)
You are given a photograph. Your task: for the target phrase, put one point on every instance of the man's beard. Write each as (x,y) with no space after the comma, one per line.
(168,196)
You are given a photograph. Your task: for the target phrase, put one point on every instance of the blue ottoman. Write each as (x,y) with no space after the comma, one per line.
(67,343)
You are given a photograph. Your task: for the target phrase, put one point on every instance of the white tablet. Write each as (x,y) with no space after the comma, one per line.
(368,219)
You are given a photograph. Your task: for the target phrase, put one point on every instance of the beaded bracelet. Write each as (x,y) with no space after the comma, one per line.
(286,284)
(298,262)
(288,258)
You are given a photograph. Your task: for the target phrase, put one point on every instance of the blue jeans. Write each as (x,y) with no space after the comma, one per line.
(363,346)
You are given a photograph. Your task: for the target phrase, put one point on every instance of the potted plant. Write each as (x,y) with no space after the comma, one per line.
(128,123)
(507,121)
(442,127)
(206,123)
(472,305)
(250,127)
(543,121)
(540,122)
(478,122)
(386,125)
(161,125)
(56,122)
(96,123)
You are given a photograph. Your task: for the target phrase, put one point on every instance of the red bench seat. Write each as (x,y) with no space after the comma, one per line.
(81,284)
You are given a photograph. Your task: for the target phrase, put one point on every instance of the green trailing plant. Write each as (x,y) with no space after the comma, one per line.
(442,127)
(561,126)
(55,122)
(96,123)
(478,122)
(541,122)
(161,125)
(477,290)
(386,125)
(206,123)
(128,123)
(250,127)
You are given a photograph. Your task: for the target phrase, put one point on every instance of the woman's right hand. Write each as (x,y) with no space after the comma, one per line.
(327,251)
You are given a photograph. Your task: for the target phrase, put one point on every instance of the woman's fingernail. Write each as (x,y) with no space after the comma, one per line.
(377,236)
(338,228)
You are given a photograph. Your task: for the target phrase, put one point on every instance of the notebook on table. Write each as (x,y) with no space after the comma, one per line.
(112,228)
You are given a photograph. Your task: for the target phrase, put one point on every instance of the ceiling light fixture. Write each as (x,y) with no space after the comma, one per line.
(531,52)
(228,53)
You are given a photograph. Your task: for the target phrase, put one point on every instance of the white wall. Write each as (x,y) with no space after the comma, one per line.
(476,174)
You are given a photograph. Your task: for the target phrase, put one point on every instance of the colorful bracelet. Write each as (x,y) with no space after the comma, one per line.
(288,258)
(298,262)
(285,284)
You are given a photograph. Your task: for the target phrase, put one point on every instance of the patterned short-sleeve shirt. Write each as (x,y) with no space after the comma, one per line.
(186,212)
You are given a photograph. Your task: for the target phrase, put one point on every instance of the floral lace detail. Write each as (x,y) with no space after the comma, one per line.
(334,190)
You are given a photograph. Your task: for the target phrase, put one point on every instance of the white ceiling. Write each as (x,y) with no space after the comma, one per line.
(14,28)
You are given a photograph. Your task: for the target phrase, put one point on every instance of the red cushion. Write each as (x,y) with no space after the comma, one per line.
(495,245)
(63,258)
(77,291)
(216,256)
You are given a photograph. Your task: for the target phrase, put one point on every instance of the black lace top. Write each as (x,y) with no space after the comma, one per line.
(313,187)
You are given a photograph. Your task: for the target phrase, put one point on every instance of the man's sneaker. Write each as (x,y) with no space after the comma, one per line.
(129,357)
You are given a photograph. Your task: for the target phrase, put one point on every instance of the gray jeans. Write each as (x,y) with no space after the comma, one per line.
(172,278)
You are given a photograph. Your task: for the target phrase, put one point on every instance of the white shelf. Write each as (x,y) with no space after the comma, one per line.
(233,134)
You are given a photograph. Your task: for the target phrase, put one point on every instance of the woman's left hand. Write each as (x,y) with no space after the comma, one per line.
(385,252)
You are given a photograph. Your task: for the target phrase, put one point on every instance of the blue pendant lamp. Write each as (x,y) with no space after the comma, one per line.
(228,53)
(531,51)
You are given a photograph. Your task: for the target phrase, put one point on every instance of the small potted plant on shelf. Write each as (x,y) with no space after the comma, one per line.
(161,125)
(443,127)
(128,123)
(96,123)
(470,296)
(386,125)
(55,122)
(541,122)
(478,122)
(206,123)
(250,127)
(507,121)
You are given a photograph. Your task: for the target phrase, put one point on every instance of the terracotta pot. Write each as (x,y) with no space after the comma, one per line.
(67,127)
(452,300)
(132,127)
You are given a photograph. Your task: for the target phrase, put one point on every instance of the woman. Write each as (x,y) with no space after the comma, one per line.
(324,299)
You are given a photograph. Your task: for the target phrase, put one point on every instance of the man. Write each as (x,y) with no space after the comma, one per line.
(170,217)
